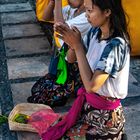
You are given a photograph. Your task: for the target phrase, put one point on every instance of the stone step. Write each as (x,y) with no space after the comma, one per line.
(27,67)
(27,46)
(27,136)
(132,125)
(18,7)
(15,18)
(133,89)
(132,109)
(12,1)
(19,31)
(21,91)
(135,67)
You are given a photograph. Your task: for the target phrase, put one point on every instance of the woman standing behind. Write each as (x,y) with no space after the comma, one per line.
(104,70)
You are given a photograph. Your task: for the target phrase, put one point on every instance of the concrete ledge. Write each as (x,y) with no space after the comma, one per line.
(12,1)
(21,91)
(18,7)
(15,18)
(28,67)
(18,31)
(132,125)
(133,89)
(26,46)
(28,136)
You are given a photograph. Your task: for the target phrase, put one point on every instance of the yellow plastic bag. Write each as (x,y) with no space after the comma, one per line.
(57,40)
(132,9)
(40,6)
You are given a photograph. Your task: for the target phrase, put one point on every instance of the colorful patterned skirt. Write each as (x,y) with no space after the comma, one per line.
(96,124)
(47,91)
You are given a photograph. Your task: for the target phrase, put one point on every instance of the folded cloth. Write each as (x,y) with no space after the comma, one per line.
(57,131)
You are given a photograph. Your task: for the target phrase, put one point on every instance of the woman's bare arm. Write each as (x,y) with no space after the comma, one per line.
(92,81)
(48,14)
(58,15)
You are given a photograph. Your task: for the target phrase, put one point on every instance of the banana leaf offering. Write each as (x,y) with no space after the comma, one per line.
(21,118)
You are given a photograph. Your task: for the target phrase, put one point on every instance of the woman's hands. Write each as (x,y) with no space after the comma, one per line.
(70,36)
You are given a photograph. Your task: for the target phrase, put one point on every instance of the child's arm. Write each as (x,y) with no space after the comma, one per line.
(48,12)
(58,15)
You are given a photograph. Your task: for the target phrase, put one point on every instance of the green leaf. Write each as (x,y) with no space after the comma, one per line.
(3,119)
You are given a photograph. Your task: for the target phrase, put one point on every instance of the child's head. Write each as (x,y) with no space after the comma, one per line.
(100,12)
(75,3)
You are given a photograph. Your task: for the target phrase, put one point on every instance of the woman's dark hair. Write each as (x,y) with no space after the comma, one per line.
(118,17)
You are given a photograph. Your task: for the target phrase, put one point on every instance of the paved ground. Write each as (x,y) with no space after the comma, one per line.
(24,57)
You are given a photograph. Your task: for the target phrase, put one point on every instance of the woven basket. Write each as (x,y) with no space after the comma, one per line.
(24,108)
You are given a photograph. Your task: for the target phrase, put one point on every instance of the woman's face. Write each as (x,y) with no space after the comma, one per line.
(94,15)
(75,3)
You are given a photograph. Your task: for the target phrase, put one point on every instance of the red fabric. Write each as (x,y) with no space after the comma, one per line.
(57,131)
(43,119)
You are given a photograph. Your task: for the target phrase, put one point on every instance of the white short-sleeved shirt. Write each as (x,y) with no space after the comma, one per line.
(79,21)
(113,58)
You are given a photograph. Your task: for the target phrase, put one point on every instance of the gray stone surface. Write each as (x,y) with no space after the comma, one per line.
(12,1)
(132,125)
(133,90)
(27,46)
(0,127)
(132,110)
(28,67)
(18,7)
(24,30)
(27,136)
(0,110)
(21,91)
(0,134)
(14,18)
(135,68)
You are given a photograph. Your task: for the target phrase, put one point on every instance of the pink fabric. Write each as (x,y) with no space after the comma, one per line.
(43,119)
(57,131)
